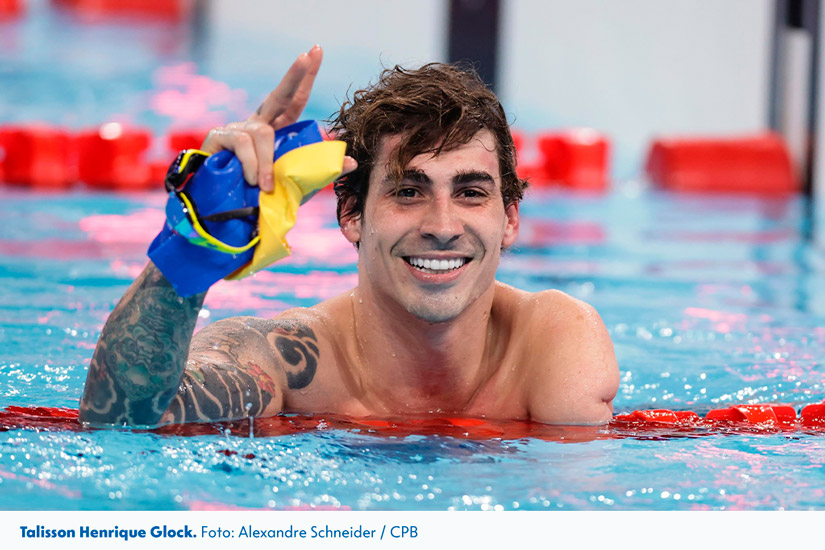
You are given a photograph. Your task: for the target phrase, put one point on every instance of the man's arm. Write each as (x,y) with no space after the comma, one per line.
(576,376)
(144,371)
(138,365)
(240,367)
(140,356)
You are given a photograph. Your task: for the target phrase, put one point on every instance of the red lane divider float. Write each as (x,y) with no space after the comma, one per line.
(10,9)
(643,424)
(574,159)
(40,156)
(178,140)
(108,157)
(757,164)
(111,157)
(96,10)
(767,417)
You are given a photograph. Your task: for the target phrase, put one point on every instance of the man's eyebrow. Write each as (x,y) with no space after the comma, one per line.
(463,177)
(418,176)
(472,176)
(413,175)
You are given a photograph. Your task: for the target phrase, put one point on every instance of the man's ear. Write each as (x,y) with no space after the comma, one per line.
(511,227)
(351,223)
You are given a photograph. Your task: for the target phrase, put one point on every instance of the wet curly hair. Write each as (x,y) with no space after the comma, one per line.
(435,108)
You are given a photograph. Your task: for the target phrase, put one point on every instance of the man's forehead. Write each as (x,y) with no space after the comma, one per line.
(482,145)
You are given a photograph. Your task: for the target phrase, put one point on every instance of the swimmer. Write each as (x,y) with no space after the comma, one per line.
(430,198)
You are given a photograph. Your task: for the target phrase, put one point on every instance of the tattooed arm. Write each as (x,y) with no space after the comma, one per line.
(240,367)
(140,356)
(138,365)
(140,373)
(232,372)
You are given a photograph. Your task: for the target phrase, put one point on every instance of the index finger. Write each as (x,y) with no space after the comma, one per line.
(301,96)
(283,96)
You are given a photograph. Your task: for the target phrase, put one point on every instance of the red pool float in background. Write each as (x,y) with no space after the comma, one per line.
(112,157)
(37,155)
(187,138)
(757,164)
(95,10)
(10,9)
(575,159)
(578,158)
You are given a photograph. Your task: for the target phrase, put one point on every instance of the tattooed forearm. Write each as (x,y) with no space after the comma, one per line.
(137,365)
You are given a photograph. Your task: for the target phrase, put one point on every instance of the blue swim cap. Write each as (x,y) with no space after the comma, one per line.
(216,187)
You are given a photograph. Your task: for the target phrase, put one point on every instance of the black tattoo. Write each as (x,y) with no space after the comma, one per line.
(298,347)
(140,355)
(223,380)
(217,392)
(140,375)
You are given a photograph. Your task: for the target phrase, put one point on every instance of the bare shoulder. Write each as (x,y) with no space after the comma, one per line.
(319,323)
(571,366)
(548,307)
(308,341)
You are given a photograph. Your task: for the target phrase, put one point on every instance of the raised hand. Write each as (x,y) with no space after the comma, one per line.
(253,140)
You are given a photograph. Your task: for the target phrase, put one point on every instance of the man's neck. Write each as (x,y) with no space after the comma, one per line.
(410,366)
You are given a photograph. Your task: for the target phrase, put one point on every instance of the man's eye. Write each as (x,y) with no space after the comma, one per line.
(472,194)
(406,192)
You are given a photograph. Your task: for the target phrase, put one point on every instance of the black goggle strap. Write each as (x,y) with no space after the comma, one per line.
(178,176)
(183,168)
(224,216)
(232,214)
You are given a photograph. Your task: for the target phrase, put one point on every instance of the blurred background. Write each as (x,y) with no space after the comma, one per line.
(632,70)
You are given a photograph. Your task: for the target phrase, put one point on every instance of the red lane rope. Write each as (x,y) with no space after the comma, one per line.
(643,424)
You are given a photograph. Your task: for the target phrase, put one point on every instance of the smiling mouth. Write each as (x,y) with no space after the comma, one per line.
(429,265)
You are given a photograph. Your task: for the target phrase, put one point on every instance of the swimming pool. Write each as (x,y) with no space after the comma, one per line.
(710,301)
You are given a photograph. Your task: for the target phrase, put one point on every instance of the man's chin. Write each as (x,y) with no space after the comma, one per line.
(434,313)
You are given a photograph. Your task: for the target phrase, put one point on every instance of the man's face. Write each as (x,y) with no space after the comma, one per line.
(431,242)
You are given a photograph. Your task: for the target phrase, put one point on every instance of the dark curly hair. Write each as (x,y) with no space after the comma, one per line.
(435,108)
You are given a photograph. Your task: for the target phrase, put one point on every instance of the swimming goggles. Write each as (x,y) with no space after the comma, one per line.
(182,213)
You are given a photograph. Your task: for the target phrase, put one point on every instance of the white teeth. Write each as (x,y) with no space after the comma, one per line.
(437,265)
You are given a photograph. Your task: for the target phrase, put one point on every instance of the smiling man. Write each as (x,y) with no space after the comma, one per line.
(430,198)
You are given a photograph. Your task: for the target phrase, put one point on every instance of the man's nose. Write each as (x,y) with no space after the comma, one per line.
(442,221)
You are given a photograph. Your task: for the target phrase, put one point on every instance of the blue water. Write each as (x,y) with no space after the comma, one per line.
(710,301)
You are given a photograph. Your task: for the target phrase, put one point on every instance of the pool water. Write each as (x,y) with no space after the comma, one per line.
(710,301)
